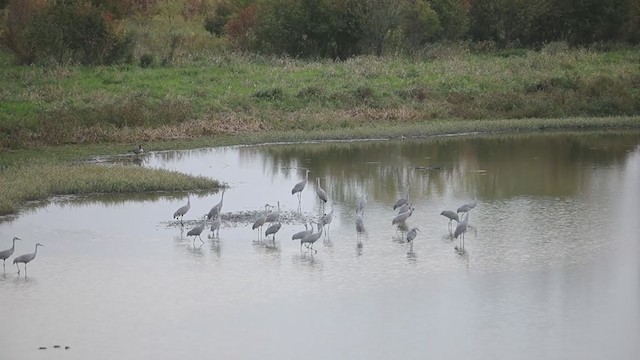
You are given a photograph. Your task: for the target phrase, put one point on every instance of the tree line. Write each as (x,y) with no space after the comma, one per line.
(90,31)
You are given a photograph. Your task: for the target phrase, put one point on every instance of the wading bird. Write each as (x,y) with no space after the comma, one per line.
(182,210)
(404,208)
(272,230)
(326,220)
(401,218)
(215,227)
(4,254)
(359,225)
(216,209)
(273,216)
(260,221)
(361,203)
(198,229)
(309,240)
(139,150)
(411,235)
(468,206)
(297,188)
(451,216)
(25,259)
(403,200)
(321,193)
(461,229)
(301,234)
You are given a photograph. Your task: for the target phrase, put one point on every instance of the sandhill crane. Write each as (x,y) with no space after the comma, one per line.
(401,218)
(261,220)
(216,209)
(361,203)
(182,210)
(404,208)
(359,225)
(326,220)
(310,239)
(272,230)
(403,200)
(461,229)
(4,254)
(25,259)
(273,216)
(198,229)
(411,235)
(322,195)
(215,227)
(468,206)
(451,216)
(297,188)
(301,234)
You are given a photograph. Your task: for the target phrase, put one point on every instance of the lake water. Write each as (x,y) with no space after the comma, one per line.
(550,271)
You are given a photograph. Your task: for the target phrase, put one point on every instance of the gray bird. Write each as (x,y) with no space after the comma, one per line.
(272,230)
(321,193)
(411,235)
(215,227)
(359,223)
(361,203)
(326,220)
(216,209)
(198,229)
(25,259)
(273,216)
(451,216)
(261,220)
(301,234)
(139,150)
(297,188)
(4,254)
(468,206)
(403,200)
(404,208)
(461,229)
(309,240)
(401,218)
(182,210)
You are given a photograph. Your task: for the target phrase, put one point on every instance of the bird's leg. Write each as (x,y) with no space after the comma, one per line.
(18,268)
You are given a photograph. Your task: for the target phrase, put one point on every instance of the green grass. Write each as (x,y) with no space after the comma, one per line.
(40,181)
(231,94)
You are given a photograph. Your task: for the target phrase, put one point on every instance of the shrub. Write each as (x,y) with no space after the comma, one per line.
(147,60)
(215,23)
(74,31)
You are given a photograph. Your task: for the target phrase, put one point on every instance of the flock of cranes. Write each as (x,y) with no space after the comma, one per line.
(308,237)
(271,218)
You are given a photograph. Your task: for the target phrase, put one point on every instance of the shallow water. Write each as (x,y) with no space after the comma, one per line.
(550,269)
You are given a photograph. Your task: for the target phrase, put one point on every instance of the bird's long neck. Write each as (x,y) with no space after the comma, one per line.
(36,251)
(14,245)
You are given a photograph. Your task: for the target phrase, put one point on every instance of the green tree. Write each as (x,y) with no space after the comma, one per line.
(420,24)
(74,31)
(453,16)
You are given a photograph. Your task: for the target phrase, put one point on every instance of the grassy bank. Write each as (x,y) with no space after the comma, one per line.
(230,95)
(39,181)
